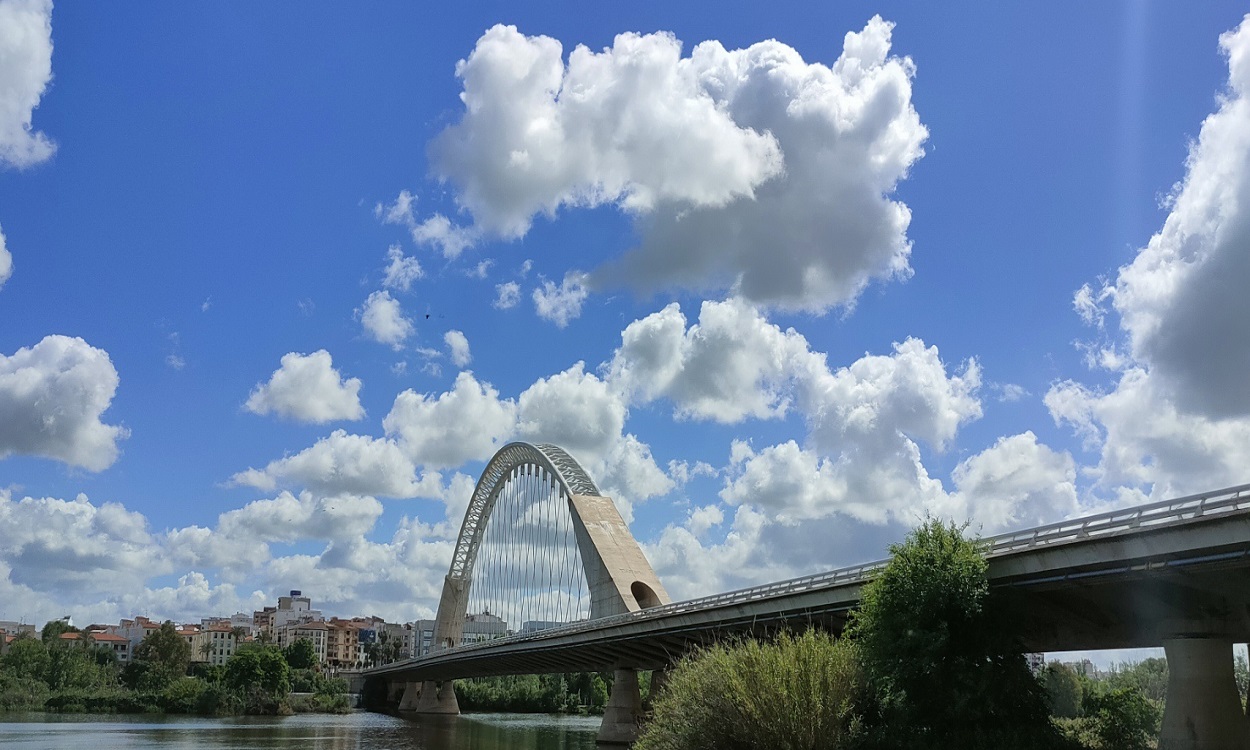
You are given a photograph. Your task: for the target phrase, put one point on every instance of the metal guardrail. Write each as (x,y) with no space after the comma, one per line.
(1151,515)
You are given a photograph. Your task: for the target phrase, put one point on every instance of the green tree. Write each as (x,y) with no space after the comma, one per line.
(161,658)
(54,629)
(1148,676)
(27,657)
(259,670)
(1063,690)
(940,657)
(798,692)
(1123,719)
(77,669)
(301,654)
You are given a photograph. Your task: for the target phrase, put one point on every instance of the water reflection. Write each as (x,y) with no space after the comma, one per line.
(359,731)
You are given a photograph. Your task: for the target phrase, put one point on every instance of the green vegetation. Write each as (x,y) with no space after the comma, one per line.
(940,659)
(161,658)
(72,676)
(796,692)
(549,693)
(1120,711)
(301,654)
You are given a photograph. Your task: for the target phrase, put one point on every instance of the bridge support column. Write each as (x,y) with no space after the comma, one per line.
(412,693)
(659,680)
(1203,710)
(438,699)
(623,714)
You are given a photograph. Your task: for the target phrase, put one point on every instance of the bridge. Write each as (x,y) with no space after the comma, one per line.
(543,558)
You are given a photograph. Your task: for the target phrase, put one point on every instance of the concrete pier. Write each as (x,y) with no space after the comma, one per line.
(1203,708)
(438,699)
(411,696)
(622,717)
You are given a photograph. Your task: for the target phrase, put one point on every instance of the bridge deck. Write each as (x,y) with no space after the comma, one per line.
(1109,580)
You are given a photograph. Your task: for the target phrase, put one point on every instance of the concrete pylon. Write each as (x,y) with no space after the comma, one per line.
(438,699)
(1203,710)
(659,681)
(411,697)
(622,717)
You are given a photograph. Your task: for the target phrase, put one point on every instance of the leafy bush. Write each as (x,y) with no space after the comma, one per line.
(103,701)
(515,693)
(19,693)
(183,696)
(797,692)
(26,657)
(1123,719)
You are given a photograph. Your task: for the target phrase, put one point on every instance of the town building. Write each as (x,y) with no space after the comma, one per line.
(214,644)
(315,631)
(11,631)
(479,627)
(291,609)
(118,644)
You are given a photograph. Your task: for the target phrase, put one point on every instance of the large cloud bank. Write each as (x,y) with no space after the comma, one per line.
(1178,419)
(749,168)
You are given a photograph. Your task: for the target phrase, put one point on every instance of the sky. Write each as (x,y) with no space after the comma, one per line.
(785,278)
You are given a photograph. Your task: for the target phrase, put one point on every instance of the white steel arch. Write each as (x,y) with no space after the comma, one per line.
(618,574)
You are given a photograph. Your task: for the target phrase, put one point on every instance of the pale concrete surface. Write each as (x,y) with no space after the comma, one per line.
(622,717)
(1203,709)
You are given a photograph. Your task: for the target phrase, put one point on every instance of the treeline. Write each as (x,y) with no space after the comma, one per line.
(73,676)
(573,692)
(1116,708)
(927,662)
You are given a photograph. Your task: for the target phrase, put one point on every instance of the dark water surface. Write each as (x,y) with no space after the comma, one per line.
(356,731)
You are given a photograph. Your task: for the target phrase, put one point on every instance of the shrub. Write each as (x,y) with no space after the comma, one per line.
(18,693)
(1123,719)
(796,692)
(183,696)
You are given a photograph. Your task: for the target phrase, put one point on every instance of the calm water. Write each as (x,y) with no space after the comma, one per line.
(357,731)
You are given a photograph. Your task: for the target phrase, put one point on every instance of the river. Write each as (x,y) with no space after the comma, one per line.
(355,731)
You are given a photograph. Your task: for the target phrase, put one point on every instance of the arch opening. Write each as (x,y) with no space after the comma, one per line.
(644,595)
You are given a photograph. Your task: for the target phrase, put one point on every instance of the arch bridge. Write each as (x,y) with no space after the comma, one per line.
(546,577)
(539,548)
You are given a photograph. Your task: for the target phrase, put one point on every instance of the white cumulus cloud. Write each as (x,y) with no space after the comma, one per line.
(561,304)
(383,320)
(1177,420)
(1181,301)
(307,388)
(467,423)
(731,365)
(25,71)
(401,270)
(52,398)
(747,168)
(58,545)
(6,261)
(341,463)
(507,295)
(458,348)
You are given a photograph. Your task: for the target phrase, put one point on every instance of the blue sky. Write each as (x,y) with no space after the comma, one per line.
(781,300)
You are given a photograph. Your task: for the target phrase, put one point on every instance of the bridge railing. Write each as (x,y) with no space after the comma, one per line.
(1150,515)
